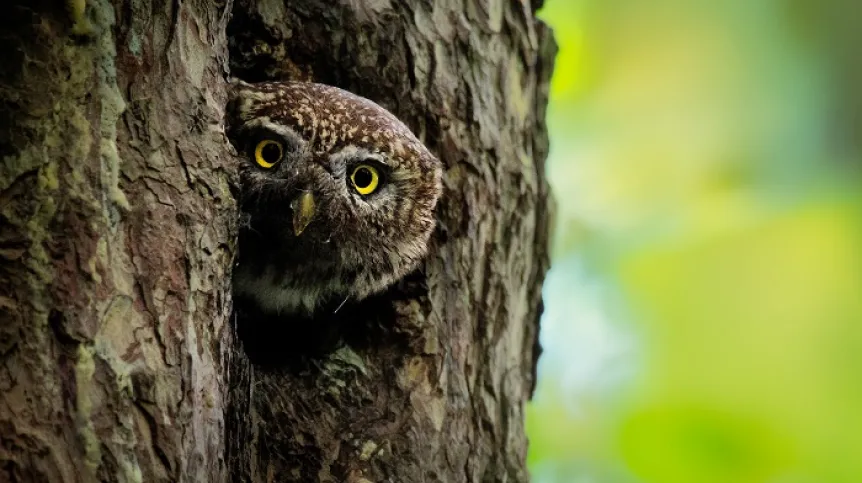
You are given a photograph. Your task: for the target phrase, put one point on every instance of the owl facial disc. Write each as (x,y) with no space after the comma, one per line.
(337,196)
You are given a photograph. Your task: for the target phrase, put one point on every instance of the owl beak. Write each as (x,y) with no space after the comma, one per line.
(303,211)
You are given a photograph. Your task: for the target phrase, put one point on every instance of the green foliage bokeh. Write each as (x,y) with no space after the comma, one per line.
(703,312)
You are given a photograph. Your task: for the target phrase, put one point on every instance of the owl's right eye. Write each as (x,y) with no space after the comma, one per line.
(268,153)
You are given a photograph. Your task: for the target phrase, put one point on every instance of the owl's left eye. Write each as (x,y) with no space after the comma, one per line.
(268,153)
(365,179)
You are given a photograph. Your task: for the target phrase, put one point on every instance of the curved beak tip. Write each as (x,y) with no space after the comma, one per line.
(304,208)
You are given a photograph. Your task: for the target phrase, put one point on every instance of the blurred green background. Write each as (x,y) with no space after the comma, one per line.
(703,316)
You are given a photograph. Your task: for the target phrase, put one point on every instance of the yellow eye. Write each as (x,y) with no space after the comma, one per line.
(365,179)
(268,153)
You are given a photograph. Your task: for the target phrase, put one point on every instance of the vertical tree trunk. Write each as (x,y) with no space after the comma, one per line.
(116,237)
(439,395)
(117,359)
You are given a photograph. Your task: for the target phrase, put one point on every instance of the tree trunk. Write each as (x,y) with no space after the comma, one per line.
(119,359)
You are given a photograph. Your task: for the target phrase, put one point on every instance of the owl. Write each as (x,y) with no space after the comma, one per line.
(337,196)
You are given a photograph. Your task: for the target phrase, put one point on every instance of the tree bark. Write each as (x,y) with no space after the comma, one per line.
(116,237)
(119,358)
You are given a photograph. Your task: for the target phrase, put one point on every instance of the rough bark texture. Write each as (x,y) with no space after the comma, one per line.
(117,358)
(438,392)
(115,240)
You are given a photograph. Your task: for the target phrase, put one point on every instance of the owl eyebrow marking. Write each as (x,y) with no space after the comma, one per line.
(265,123)
(351,152)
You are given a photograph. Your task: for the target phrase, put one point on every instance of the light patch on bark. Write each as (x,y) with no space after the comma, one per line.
(85,368)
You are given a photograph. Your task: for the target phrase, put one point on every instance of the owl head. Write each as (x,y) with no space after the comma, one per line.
(337,196)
